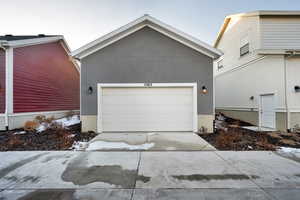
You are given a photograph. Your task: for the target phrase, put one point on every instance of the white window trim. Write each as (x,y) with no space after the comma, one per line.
(100,87)
(41,113)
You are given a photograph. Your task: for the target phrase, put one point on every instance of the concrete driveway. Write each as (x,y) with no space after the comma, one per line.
(153,141)
(148,175)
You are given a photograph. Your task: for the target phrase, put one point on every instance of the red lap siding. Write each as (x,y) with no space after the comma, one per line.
(2,81)
(44,79)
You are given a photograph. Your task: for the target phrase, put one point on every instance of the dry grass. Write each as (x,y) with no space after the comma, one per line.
(239,140)
(30,125)
(70,114)
(224,140)
(15,141)
(40,118)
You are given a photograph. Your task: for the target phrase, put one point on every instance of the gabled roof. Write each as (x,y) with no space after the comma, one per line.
(24,37)
(146,21)
(253,13)
(27,40)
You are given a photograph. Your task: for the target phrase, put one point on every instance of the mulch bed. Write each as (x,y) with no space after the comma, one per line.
(231,136)
(50,139)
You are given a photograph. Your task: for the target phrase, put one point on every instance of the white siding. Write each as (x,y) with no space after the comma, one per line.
(2,123)
(231,41)
(293,72)
(280,33)
(234,88)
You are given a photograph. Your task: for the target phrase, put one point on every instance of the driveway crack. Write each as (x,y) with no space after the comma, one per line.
(270,196)
(136,175)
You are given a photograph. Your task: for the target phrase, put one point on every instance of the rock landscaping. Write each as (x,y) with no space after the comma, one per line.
(45,134)
(230,135)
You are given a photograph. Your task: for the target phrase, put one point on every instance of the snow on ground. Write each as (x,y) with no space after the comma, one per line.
(101,145)
(288,150)
(20,133)
(79,146)
(64,122)
(42,127)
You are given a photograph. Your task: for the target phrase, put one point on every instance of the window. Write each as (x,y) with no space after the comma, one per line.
(244,46)
(220,64)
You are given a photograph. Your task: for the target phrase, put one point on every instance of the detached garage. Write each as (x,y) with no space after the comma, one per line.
(135,107)
(146,76)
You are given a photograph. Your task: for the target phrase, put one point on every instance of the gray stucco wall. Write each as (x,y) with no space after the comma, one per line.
(146,56)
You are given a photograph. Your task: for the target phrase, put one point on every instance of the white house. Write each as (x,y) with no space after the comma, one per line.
(258,77)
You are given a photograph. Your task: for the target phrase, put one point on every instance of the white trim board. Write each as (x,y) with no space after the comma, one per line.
(8,83)
(153,23)
(237,109)
(35,41)
(17,120)
(100,86)
(41,112)
(43,40)
(252,109)
(239,67)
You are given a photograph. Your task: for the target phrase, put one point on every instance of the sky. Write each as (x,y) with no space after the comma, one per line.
(82,21)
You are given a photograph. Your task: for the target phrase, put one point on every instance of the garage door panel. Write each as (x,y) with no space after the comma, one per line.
(150,126)
(149,91)
(147,100)
(147,109)
(129,109)
(145,118)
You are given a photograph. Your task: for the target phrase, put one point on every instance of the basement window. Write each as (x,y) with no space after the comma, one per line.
(244,46)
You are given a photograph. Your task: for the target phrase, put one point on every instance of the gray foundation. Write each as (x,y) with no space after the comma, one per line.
(253,117)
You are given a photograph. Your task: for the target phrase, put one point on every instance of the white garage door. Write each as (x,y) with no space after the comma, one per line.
(146,109)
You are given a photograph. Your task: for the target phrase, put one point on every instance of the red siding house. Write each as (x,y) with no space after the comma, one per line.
(37,77)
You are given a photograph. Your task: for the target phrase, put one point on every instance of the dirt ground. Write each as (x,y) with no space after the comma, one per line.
(50,139)
(229,135)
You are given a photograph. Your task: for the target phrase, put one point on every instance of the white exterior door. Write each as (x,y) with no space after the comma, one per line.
(267,111)
(146,109)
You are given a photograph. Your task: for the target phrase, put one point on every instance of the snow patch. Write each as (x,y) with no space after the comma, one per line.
(151,133)
(101,145)
(20,133)
(288,150)
(65,122)
(42,127)
(79,146)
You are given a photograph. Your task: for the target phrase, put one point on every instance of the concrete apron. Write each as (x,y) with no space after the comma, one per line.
(148,175)
(153,141)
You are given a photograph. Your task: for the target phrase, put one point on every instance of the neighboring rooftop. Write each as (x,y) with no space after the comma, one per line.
(268,13)
(227,19)
(23,37)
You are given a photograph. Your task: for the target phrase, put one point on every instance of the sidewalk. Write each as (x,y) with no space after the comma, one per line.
(192,175)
